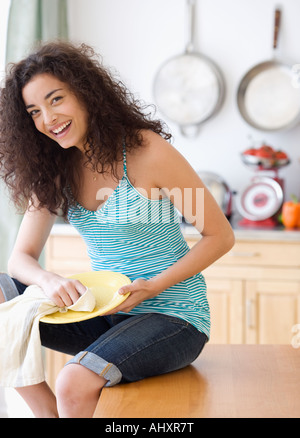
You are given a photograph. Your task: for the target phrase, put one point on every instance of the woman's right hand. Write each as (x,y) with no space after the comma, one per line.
(62,291)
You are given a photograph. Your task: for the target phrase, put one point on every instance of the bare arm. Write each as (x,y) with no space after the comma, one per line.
(24,264)
(199,207)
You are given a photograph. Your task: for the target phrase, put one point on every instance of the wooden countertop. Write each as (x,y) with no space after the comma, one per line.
(226,381)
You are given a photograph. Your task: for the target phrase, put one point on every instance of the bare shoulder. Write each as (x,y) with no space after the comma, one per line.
(156,153)
(155,146)
(166,165)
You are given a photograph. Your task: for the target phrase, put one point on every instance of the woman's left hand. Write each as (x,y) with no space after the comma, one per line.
(140,290)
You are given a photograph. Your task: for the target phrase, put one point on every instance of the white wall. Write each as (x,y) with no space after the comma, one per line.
(137,36)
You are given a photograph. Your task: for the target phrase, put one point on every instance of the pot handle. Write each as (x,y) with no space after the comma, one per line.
(190,26)
(276,27)
(190,131)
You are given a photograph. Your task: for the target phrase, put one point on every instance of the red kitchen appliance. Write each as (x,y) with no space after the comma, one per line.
(260,201)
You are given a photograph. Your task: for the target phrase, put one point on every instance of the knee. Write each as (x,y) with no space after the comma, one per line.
(76,383)
(66,383)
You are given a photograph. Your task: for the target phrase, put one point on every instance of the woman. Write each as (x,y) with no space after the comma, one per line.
(75,142)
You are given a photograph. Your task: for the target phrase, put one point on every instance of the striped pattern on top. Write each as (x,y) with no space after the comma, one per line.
(141,237)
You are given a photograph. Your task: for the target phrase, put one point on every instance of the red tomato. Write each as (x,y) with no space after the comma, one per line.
(251,151)
(280,155)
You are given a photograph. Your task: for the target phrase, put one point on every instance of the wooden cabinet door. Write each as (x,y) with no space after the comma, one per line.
(225,298)
(272,309)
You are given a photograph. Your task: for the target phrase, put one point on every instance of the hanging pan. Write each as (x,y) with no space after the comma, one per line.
(189,88)
(268,96)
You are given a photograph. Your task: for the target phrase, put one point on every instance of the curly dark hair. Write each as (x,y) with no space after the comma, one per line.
(30,162)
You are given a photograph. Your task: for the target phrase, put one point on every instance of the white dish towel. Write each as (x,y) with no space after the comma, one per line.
(21,361)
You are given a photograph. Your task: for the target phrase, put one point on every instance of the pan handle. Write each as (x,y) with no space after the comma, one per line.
(190,131)
(276,27)
(191,25)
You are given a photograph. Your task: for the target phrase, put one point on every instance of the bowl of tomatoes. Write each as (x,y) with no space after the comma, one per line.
(265,157)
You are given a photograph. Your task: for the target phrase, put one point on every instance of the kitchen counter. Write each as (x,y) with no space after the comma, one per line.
(247,233)
(241,233)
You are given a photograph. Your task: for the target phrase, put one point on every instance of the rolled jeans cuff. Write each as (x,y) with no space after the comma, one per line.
(99,366)
(8,287)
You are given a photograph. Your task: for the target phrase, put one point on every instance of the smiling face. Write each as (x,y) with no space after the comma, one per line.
(56,111)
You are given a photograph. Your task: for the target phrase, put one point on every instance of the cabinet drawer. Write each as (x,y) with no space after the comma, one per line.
(263,253)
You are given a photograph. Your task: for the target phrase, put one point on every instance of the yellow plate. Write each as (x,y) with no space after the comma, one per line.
(103,285)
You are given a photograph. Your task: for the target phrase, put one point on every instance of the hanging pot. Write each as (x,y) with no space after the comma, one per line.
(219,189)
(268,95)
(189,88)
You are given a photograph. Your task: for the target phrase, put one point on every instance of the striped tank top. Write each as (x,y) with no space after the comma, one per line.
(141,237)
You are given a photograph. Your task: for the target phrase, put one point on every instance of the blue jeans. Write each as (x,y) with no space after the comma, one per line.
(124,348)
